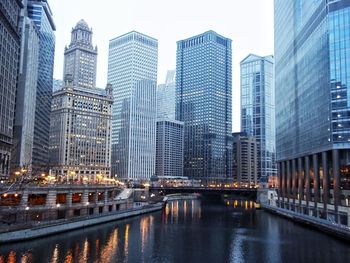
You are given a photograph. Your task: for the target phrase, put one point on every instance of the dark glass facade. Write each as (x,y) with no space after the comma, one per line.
(39,11)
(204,104)
(312,41)
(9,59)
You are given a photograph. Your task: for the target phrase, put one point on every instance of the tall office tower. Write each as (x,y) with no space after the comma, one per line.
(132,70)
(204,104)
(166,97)
(9,57)
(245,159)
(170,143)
(80,137)
(80,58)
(312,49)
(26,95)
(258,110)
(39,11)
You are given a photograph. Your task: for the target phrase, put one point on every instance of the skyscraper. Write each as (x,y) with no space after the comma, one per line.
(9,57)
(132,70)
(258,110)
(170,143)
(203,103)
(22,153)
(80,128)
(245,159)
(80,58)
(39,11)
(166,97)
(312,107)
(80,136)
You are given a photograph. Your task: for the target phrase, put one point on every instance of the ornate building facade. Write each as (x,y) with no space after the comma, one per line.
(80,137)
(80,57)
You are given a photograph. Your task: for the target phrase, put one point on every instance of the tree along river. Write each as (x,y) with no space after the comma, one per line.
(187,231)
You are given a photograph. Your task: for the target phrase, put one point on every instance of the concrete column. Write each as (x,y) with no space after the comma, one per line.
(283,174)
(307,180)
(105,195)
(288,180)
(85,202)
(336,182)
(24,199)
(279,172)
(300,181)
(50,205)
(294,180)
(325,181)
(51,198)
(69,211)
(96,202)
(316,181)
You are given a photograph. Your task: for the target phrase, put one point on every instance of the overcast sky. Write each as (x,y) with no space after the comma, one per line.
(249,23)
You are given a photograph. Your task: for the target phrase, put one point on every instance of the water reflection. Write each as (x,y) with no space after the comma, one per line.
(126,242)
(54,258)
(186,231)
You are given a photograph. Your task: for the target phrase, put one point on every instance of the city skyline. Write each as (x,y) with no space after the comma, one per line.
(221,124)
(224,17)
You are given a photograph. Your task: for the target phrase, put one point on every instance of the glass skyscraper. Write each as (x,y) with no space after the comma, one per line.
(22,153)
(166,97)
(170,143)
(312,54)
(258,110)
(132,70)
(39,11)
(204,104)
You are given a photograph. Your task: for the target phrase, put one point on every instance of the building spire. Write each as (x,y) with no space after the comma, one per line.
(81,35)
(80,57)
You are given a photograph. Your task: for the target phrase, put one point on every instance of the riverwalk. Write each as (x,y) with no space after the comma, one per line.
(64,225)
(328,227)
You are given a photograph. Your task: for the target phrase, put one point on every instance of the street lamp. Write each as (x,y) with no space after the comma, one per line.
(58,210)
(27,209)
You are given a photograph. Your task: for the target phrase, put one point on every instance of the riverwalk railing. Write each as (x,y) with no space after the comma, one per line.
(42,224)
(330,225)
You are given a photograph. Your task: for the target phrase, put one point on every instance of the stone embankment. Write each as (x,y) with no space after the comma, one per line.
(59,226)
(331,228)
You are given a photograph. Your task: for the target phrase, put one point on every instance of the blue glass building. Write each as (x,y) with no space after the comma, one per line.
(312,58)
(204,104)
(39,11)
(258,110)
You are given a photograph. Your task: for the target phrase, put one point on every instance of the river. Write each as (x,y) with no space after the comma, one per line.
(187,231)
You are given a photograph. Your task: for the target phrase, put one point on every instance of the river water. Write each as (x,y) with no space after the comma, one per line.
(187,231)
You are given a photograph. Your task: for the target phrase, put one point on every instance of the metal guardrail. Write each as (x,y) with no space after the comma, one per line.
(57,222)
(203,188)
